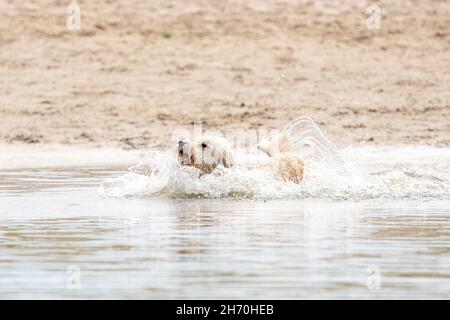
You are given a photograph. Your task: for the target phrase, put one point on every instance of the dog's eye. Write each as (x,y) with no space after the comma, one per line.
(204,145)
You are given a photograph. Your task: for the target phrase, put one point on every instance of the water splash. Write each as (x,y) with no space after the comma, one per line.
(303,137)
(377,172)
(310,141)
(354,173)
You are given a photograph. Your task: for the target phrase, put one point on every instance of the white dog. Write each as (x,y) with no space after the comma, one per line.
(207,153)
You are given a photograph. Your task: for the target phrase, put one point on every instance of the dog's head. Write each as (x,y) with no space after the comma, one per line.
(205,154)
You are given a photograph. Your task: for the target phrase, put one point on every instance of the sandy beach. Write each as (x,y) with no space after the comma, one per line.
(137,70)
(93,207)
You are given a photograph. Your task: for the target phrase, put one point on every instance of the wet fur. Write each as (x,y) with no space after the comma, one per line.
(207,153)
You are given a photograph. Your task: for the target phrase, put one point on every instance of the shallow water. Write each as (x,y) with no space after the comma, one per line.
(129,242)
(408,173)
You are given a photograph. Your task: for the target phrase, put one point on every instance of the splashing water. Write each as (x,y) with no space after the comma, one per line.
(354,173)
(310,141)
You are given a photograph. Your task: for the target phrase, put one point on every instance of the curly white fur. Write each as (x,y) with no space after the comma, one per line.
(207,153)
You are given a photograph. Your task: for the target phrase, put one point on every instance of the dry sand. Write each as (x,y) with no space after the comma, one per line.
(137,70)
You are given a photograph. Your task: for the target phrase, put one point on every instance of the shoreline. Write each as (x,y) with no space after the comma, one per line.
(22,156)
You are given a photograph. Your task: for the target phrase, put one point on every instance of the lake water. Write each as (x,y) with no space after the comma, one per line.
(85,226)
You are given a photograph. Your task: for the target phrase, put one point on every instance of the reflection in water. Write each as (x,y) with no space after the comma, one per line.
(148,248)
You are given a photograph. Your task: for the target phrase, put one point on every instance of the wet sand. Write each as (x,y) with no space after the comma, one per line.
(137,70)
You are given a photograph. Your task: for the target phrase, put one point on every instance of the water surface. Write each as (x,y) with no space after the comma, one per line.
(58,220)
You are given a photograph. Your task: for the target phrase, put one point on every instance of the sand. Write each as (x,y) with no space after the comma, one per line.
(138,70)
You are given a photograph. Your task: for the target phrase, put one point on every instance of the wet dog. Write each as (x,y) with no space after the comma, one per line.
(207,153)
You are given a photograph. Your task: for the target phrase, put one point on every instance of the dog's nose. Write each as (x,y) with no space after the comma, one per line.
(181,144)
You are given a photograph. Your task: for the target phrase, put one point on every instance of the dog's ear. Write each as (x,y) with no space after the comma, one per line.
(227,158)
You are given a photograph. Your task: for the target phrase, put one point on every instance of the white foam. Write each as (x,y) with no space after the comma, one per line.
(353,173)
(370,173)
